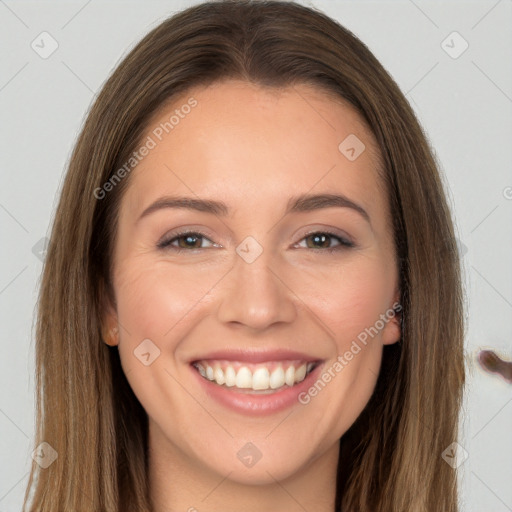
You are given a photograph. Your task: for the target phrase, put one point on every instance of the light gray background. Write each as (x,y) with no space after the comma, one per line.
(464,104)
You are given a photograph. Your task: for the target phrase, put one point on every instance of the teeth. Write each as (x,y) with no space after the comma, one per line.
(261,378)
(276,379)
(300,373)
(230,376)
(289,376)
(219,376)
(202,371)
(244,378)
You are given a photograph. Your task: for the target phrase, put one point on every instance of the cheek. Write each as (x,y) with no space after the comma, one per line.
(154,299)
(160,303)
(351,299)
(350,304)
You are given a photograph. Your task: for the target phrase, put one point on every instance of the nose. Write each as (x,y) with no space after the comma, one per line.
(257,294)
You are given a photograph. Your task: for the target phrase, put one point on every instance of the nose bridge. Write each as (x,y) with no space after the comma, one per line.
(256,295)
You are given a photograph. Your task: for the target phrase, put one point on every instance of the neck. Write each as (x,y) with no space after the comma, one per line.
(179,484)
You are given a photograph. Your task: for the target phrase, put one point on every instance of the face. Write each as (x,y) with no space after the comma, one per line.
(252,317)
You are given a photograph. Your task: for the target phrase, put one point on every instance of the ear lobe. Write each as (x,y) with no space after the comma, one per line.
(108,315)
(112,337)
(392,331)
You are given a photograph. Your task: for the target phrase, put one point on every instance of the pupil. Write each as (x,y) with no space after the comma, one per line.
(189,239)
(321,239)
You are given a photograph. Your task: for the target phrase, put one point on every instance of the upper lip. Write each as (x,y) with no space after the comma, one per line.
(256,356)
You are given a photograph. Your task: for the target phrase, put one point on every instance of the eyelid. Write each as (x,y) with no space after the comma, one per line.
(328,231)
(344,241)
(166,240)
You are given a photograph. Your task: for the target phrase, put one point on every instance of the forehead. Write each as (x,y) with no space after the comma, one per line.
(254,147)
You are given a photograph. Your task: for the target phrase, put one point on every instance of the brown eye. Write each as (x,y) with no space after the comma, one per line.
(189,241)
(324,239)
(185,241)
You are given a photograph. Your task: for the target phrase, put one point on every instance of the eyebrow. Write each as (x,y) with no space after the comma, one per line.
(296,204)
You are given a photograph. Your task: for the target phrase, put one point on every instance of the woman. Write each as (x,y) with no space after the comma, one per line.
(251,298)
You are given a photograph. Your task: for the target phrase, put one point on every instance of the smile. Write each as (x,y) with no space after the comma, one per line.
(268,377)
(255,382)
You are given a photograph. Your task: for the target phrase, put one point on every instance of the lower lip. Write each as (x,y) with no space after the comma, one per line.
(257,404)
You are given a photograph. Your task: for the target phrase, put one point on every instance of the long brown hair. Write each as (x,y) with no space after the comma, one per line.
(390,459)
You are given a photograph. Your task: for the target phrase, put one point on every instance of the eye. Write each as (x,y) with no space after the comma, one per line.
(323,239)
(186,240)
(191,240)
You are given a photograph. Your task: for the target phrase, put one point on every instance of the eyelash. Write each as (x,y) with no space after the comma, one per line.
(166,243)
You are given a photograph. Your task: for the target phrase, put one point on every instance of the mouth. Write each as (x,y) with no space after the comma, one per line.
(256,383)
(263,378)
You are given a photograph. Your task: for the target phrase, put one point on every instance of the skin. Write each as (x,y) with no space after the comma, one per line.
(252,148)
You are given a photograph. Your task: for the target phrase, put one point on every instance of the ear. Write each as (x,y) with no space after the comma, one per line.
(108,315)
(392,331)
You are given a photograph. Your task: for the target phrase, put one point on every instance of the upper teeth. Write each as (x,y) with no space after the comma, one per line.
(256,377)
